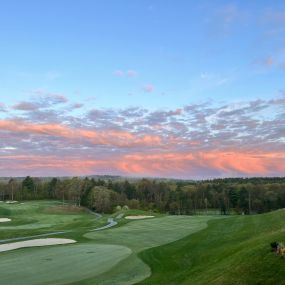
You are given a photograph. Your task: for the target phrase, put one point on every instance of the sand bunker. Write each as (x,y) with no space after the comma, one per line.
(139,217)
(3,220)
(35,242)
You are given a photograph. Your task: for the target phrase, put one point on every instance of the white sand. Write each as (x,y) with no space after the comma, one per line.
(3,220)
(35,242)
(139,217)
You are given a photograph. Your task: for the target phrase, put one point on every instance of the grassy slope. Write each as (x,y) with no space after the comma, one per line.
(232,251)
(140,235)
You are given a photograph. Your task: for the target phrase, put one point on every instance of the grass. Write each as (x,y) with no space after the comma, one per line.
(39,217)
(142,234)
(58,264)
(139,235)
(163,250)
(106,257)
(230,251)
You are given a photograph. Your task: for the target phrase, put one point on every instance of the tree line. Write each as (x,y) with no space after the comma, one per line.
(223,196)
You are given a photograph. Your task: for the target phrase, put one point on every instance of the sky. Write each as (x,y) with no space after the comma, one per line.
(181,89)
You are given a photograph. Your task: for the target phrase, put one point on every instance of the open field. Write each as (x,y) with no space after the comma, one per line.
(161,250)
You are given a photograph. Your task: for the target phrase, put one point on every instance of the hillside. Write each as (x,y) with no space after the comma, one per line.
(230,251)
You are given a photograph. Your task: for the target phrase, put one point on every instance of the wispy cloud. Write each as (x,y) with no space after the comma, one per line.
(41,100)
(26,106)
(224,19)
(47,98)
(2,107)
(215,79)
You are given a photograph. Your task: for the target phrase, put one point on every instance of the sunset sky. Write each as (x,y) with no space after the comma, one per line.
(166,88)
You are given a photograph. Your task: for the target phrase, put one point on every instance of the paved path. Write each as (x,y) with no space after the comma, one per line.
(111,223)
(120,216)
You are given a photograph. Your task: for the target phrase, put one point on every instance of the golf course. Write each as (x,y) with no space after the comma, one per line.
(137,247)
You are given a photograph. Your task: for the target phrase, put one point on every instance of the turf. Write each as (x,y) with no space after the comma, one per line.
(59,264)
(140,235)
(115,259)
(163,250)
(39,217)
(231,251)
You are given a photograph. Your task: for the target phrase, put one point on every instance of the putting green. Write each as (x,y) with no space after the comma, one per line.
(141,234)
(59,264)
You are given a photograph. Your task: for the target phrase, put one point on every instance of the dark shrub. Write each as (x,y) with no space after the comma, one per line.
(274,246)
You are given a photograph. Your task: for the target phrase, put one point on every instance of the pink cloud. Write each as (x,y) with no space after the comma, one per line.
(231,163)
(148,88)
(110,138)
(131,73)
(77,105)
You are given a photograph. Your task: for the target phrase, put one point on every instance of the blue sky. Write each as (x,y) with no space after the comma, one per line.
(188,51)
(132,66)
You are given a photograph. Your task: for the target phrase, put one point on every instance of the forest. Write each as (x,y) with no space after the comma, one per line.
(104,195)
